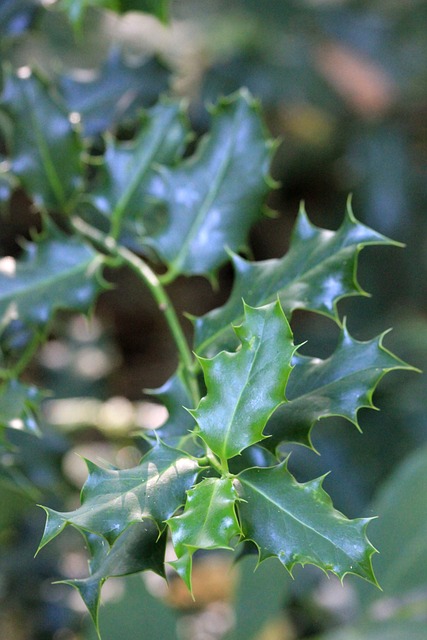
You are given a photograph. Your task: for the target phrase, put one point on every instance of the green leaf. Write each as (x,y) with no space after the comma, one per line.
(55,272)
(318,271)
(213,198)
(135,610)
(208,522)
(45,149)
(298,524)
(113,499)
(121,192)
(75,9)
(139,548)
(19,404)
(174,395)
(115,94)
(244,388)
(338,386)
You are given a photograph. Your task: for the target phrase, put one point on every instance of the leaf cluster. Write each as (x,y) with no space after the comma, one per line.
(163,212)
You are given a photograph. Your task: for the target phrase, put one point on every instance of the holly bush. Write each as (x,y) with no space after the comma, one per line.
(166,204)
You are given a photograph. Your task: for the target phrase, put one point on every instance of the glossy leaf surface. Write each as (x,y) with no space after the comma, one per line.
(208,522)
(341,385)
(212,199)
(174,396)
(123,180)
(115,93)
(244,388)
(113,499)
(45,149)
(137,609)
(298,524)
(318,270)
(55,272)
(139,548)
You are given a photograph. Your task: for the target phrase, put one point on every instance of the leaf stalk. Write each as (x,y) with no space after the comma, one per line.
(110,247)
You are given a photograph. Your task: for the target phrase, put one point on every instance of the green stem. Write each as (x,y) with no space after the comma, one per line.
(25,359)
(109,246)
(220,466)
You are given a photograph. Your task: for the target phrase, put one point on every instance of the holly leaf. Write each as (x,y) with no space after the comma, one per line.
(341,385)
(55,272)
(298,524)
(19,405)
(208,522)
(121,193)
(113,499)
(212,199)
(116,92)
(244,388)
(139,548)
(45,149)
(174,396)
(318,270)
(75,9)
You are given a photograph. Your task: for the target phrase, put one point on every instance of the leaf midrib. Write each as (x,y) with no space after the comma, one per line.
(209,509)
(22,291)
(102,501)
(205,205)
(357,247)
(293,517)
(47,162)
(237,403)
(381,374)
(144,167)
(273,296)
(96,504)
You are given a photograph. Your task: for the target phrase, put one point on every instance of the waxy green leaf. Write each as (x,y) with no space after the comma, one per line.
(139,548)
(318,271)
(45,149)
(208,522)
(244,388)
(55,272)
(113,499)
(19,405)
(298,524)
(121,193)
(174,396)
(116,92)
(341,385)
(212,199)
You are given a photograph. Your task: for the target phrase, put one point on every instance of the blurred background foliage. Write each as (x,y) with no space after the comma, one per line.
(343,83)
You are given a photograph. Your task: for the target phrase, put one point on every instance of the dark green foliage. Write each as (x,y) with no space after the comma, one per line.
(215,474)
